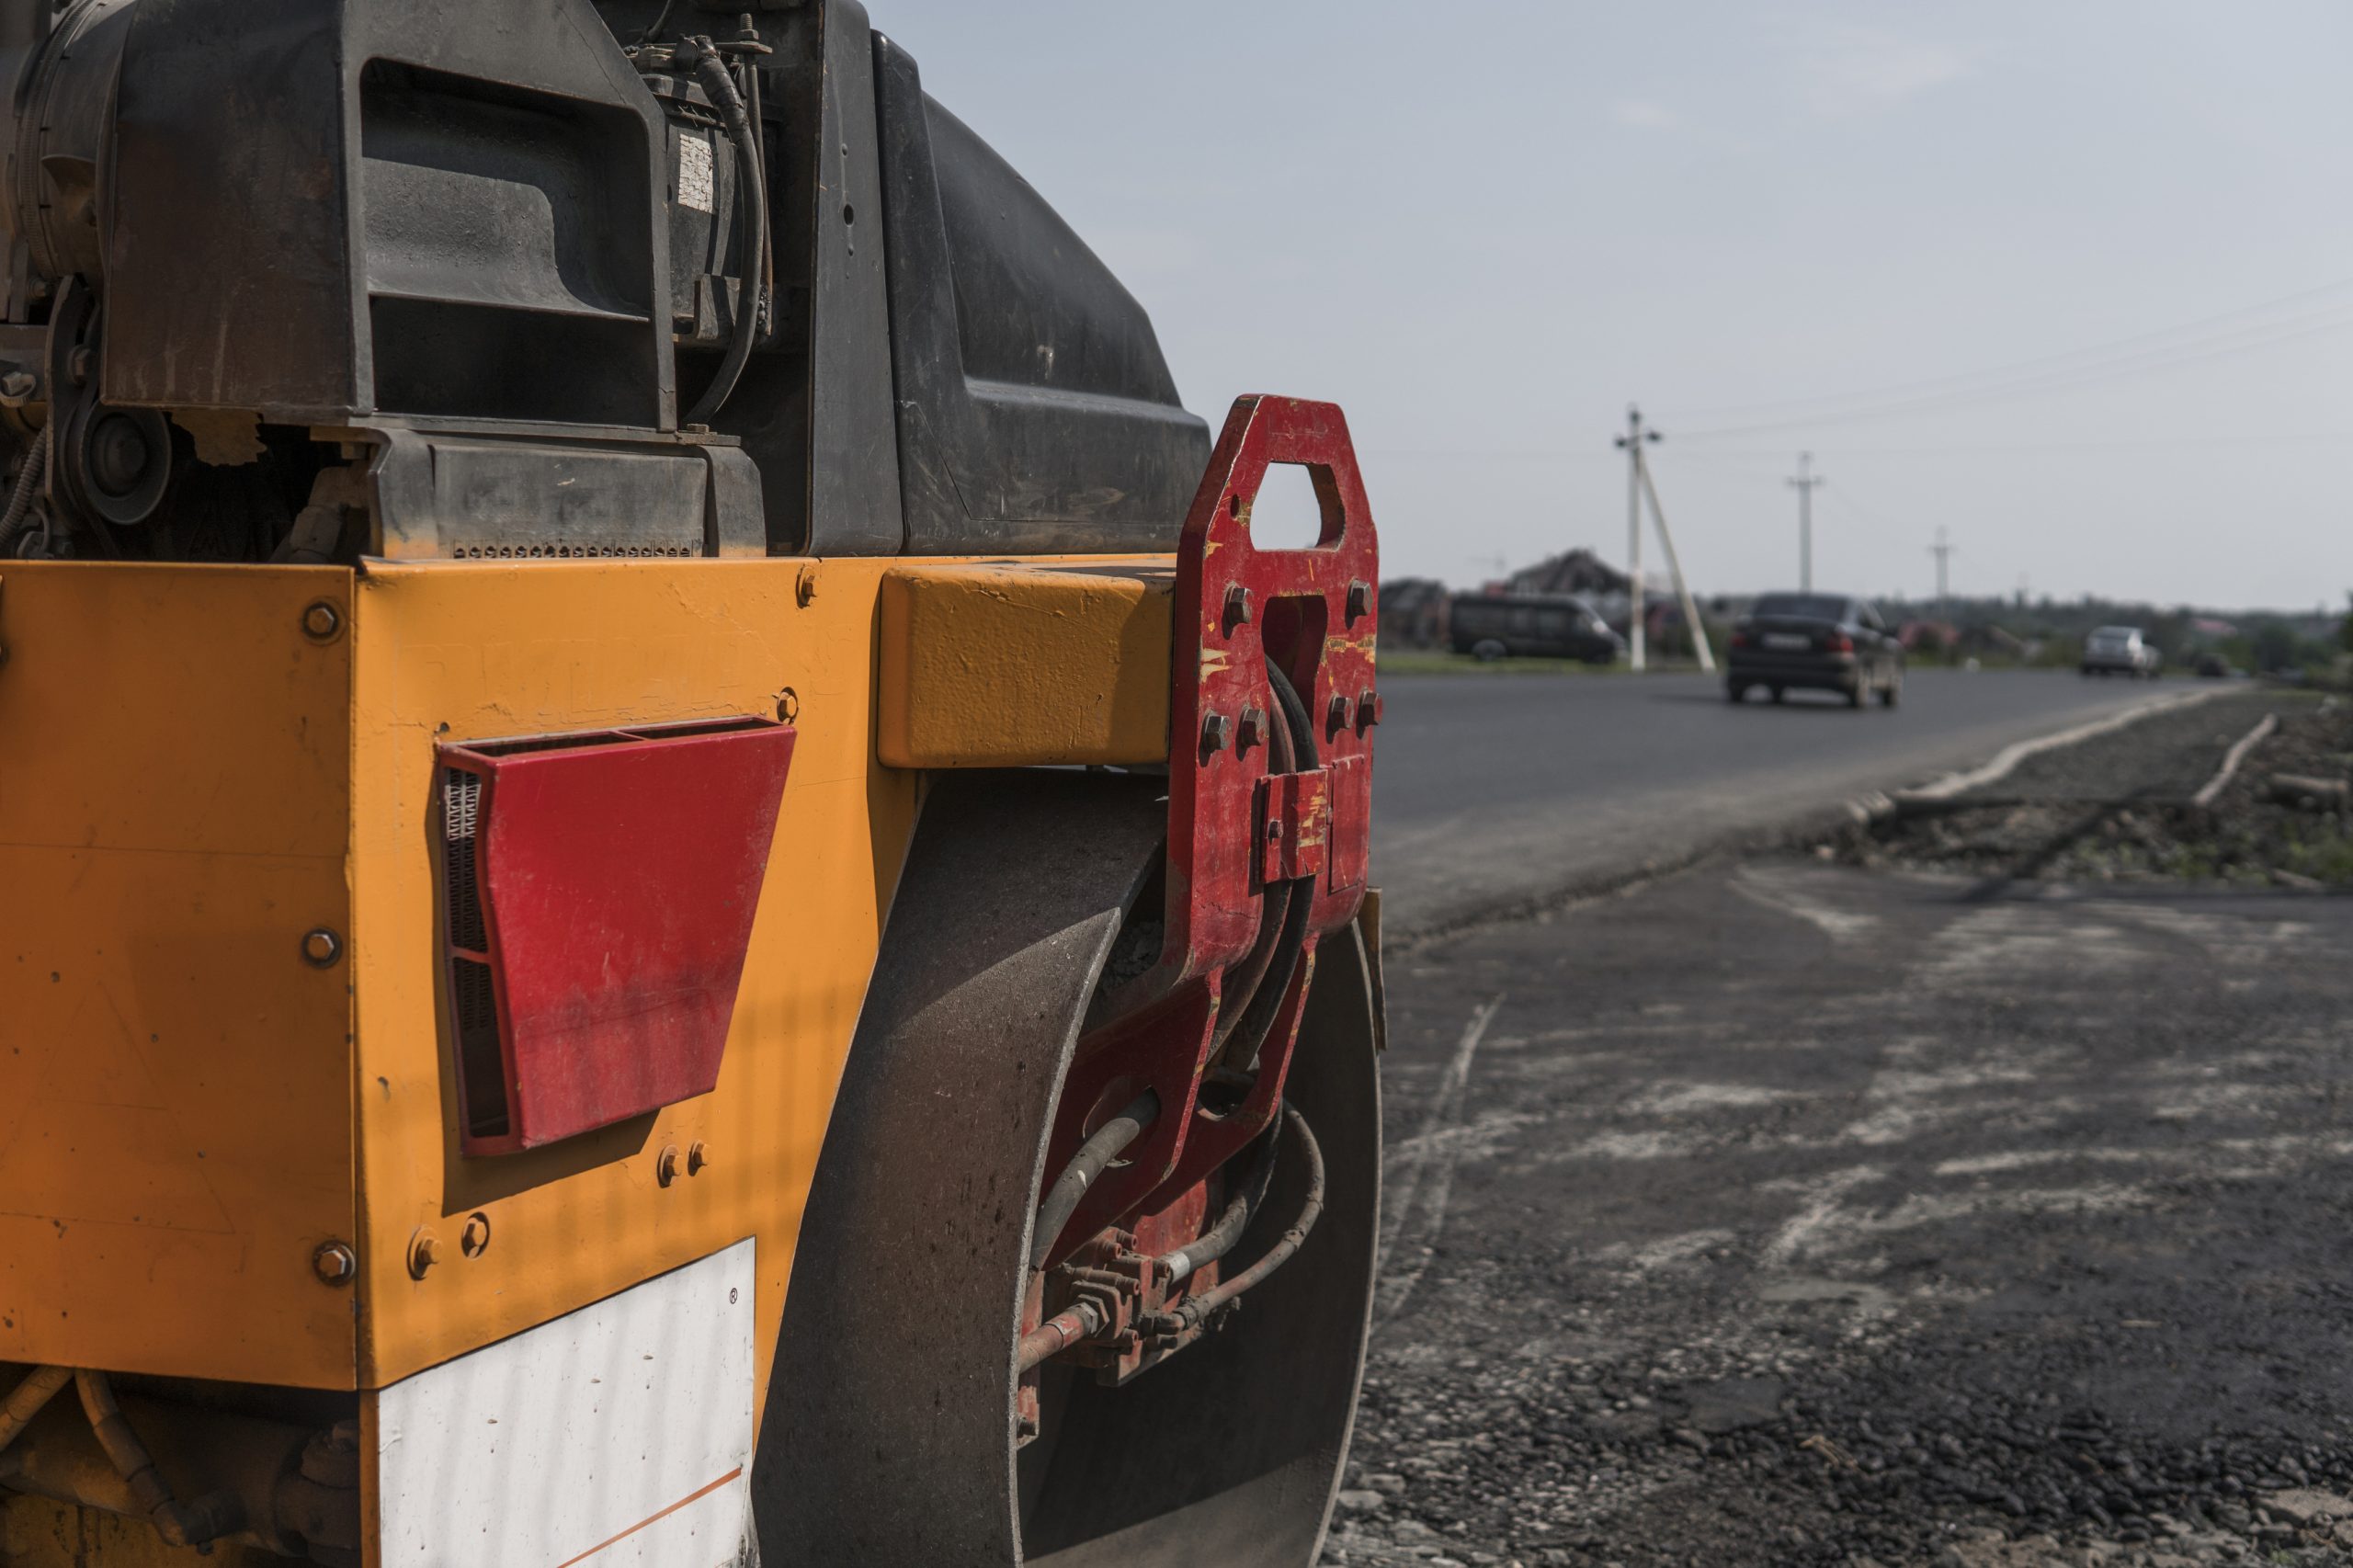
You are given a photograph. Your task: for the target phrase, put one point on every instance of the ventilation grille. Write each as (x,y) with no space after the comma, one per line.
(461,824)
(474,997)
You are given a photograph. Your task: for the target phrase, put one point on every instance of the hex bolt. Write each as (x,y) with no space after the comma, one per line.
(1368,709)
(18,385)
(79,364)
(1274,830)
(665,1164)
(1217,733)
(1253,728)
(334,1263)
(787,705)
(320,948)
(475,1240)
(1237,608)
(1359,599)
(423,1252)
(321,622)
(804,587)
(698,1158)
(1336,713)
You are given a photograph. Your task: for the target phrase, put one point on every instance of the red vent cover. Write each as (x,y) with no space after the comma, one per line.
(599,894)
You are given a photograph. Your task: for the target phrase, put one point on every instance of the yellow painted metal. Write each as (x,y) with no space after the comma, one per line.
(190,780)
(1007,664)
(467,649)
(175,1079)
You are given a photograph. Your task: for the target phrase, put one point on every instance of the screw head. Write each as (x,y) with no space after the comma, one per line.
(320,948)
(334,1263)
(423,1252)
(665,1164)
(475,1240)
(321,622)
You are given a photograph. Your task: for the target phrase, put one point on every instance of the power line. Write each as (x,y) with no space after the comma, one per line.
(2153,362)
(2035,363)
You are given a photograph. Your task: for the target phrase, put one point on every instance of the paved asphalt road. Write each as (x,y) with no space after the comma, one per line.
(1494,789)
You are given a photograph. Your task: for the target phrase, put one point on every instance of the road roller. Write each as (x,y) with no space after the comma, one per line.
(675,890)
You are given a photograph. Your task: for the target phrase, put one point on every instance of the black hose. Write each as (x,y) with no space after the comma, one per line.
(1197,1308)
(1093,1156)
(1219,1239)
(20,498)
(711,70)
(1259,1016)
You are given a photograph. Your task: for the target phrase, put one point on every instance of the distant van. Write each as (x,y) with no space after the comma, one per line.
(1531,626)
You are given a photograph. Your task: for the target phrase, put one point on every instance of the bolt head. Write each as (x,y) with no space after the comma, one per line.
(18,385)
(1237,608)
(1217,733)
(423,1252)
(475,1240)
(665,1164)
(321,622)
(698,1158)
(320,948)
(334,1263)
(1368,709)
(1359,598)
(1253,728)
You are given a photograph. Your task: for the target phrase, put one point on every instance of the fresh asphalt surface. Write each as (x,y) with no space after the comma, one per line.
(1495,788)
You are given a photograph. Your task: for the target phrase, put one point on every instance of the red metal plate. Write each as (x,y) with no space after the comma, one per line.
(617,874)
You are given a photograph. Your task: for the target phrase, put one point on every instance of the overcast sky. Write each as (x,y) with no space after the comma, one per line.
(2088,267)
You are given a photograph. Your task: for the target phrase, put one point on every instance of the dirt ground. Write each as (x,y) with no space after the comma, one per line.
(1800,1213)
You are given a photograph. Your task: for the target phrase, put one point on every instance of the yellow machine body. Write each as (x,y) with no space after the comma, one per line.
(222,1043)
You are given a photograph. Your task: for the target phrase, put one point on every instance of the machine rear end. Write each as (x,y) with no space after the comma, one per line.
(678,891)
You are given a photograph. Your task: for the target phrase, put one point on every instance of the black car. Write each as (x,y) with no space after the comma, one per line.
(1531,626)
(1825,641)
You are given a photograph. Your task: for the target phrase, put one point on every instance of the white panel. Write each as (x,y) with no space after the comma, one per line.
(619,1435)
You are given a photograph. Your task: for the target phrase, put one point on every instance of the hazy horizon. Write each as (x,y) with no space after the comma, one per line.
(2112,241)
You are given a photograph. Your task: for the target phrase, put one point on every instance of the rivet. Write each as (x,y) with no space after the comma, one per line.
(423,1252)
(320,948)
(475,1240)
(321,622)
(698,1158)
(334,1263)
(665,1164)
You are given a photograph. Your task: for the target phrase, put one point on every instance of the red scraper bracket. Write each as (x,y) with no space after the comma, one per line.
(1233,825)
(598,895)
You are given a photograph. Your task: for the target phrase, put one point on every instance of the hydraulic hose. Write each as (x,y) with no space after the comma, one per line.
(27,1399)
(1219,1239)
(1197,1308)
(20,498)
(1240,1047)
(1093,1157)
(711,70)
(180,1523)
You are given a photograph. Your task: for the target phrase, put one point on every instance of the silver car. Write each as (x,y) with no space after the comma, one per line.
(2119,650)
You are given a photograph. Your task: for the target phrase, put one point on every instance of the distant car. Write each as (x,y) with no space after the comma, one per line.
(1531,626)
(2213,666)
(2119,650)
(1818,642)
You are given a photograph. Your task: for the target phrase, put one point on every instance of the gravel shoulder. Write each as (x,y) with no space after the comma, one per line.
(1815,1213)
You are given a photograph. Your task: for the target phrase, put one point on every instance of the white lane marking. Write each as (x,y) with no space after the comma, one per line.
(2232,758)
(1775,892)
(2011,755)
(1415,1218)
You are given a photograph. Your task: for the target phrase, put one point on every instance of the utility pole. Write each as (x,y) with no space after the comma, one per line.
(1632,444)
(1803,484)
(1675,567)
(1941,550)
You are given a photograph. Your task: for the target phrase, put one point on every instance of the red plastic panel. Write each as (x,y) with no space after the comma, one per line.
(614,876)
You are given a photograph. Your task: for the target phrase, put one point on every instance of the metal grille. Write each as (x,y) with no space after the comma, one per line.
(461,824)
